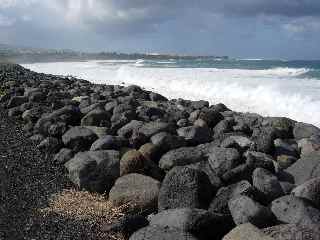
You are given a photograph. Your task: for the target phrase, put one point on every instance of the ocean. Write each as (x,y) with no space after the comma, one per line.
(268,87)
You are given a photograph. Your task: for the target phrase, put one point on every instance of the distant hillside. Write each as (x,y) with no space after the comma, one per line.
(28,55)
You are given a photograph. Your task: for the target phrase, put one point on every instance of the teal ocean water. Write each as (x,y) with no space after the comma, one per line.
(268,87)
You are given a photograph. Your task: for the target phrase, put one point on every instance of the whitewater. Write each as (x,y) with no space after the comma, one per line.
(269,89)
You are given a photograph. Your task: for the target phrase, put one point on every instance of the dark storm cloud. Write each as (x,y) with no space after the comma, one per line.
(233,27)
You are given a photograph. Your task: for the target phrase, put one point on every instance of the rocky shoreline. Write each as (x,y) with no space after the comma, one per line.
(185,169)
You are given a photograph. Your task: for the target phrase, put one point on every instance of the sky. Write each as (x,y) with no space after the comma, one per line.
(286,29)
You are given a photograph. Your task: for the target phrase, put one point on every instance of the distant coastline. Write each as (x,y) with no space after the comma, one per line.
(32,55)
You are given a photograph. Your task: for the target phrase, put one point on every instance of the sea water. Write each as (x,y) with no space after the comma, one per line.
(268,87)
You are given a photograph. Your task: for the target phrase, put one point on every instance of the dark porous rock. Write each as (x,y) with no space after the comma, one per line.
(198,222)
(148,113)
(156,97)
(14,112)
(132,162)
(110,106)
(195,135)
(309,190)
(180,157)
(193,116)
(306,168)
(69,114)
(286,147)
(94,171)
(241,143)
(292,232)
(151,128)
(126,225)
(166,141)
(245,210)
(137,139)
(283,126)
(239,173)
(200,123)
(219,203)
(182,122)
(304,130)
(97,117)
(32,115)
(79,138)
(267,184)
(285,161)
(308,145)
(291,209)
(127,130)
(85,110)
(158,233)
(99,131)
(137,191)
(287,187)
(16,101)
(57,129)
(260,160)
(222,160)
(263,139)
(49,145)
(222,127)
(37,96)
(199,104)
(246,231)
(37,138)
(185,187)
(206,168)
(210,116)
(109,142)
(63,156)
(150,152)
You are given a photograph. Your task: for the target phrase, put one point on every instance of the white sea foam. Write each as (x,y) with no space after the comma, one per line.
(272,92)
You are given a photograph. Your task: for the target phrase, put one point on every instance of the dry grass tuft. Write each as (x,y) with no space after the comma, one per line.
(93,209)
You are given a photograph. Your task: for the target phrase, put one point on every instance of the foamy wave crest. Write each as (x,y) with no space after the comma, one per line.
(273,92)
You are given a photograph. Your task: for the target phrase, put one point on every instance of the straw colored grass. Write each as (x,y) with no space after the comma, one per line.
(93,209)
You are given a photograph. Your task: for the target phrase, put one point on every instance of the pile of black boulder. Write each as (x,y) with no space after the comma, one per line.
(186,169)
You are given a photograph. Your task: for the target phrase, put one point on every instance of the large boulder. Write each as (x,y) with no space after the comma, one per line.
(63,156)
(219,203)
(304,130)
(293,232)
(79,138)
(267,184)
(166,141)
(151,128)
(308,145)
(180,157)
(185,187)
(291,209)
(195,135)
(260,160)
(70,115)
(222,160)
(137,191)
(128,129)
(132,162)
(263,139)
(306,168)
(198,222)
(245,210)
(95,171)
(17,101)
(97,117)
(158,233)
(246,232)
(309,190)
(109,142)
